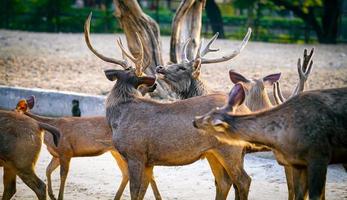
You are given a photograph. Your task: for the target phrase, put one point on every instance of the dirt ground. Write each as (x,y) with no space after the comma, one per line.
(63,62)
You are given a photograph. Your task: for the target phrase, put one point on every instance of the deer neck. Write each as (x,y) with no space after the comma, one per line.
(121,93)
(258,129)
(196,88)
(258,100)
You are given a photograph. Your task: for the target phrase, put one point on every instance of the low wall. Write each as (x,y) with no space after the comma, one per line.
(51,102)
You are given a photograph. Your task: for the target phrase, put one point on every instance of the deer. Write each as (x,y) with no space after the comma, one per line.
(145,131)
(308,132)
(184,79)
(20,145)
(81,137)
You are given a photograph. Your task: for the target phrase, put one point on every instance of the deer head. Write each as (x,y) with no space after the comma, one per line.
(255,89)
(133,77)
(182,76)
(24,105)
(215,120)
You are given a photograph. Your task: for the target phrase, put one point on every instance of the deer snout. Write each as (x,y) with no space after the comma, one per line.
(194,124)
(197,121)
(160,69)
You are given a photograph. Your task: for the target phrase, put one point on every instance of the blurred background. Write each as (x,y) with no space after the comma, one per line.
(280,21)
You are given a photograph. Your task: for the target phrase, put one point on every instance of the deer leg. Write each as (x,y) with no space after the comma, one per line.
(290,185)
(299,178)
(9,183)
(50,168)
(125,177)
(222,180)
(140,176)
(64,169)
(123,166)
(232,160)
(316,172)
(155,189)
(31,180)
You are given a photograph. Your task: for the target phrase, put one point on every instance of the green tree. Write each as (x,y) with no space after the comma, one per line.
(322,15)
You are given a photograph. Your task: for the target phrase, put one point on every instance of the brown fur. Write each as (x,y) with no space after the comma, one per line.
(146,133)
(81,137)
(20,144)
(307,132)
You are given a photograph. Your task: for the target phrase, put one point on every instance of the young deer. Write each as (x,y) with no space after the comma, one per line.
(81,137)
(307,132)
(20,145)
(145,131)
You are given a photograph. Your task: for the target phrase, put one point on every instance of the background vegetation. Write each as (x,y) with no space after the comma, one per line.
(285,21)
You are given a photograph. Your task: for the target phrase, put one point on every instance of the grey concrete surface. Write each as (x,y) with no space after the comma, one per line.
(51,102)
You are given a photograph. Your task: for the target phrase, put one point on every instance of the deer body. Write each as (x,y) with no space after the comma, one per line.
(81,137)
(149,133)
(20,145)
(143,138)
(307,133)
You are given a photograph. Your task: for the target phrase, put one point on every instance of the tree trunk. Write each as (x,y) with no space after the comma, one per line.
(186,24)
(330,22)
(133,20)
(215,17)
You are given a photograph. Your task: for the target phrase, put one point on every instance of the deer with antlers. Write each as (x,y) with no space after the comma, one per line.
(145,131)
(20,145)
(307,132)
(81,137)
(184,79)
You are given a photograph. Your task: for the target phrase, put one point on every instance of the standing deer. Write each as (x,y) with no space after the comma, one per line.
(146,132)
(307,132)
(184,79)
(20,145)
(81,137)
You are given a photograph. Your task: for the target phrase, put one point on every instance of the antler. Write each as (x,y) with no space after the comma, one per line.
(304,71)
(122,63)
(226,57)
(138,61)
(207,48)
(279,99)
(184,58)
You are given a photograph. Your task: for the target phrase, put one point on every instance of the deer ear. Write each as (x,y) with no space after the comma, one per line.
(22,106)
(236,77)
(146,80)
(113,74)
(236,95)
(31,101)
(196,68)
(269,80)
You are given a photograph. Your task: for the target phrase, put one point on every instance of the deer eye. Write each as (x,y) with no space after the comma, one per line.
(181,68)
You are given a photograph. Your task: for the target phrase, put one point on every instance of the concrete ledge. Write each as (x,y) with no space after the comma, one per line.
(51,102)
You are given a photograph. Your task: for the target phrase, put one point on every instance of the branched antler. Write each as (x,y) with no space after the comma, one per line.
(122,63)
(304,71)
(138,61)
(226,57)
(207,48)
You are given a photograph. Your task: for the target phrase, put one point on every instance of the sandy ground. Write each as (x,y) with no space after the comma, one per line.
(63,62)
